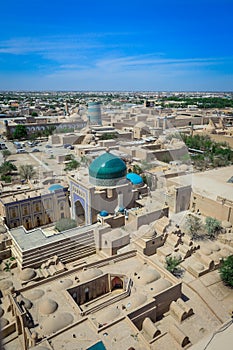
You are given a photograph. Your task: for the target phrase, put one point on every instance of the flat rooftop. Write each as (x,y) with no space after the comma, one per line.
(210,183)
(36,238)
(15,197)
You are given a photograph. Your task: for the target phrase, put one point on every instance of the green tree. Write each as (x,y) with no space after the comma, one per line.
(5,153)
(226,271)
(9,264)
(108,136)
(65,224)
(172,263)
(137,169)
(69,157)
(85,160)
(212,226)
(20,132)
(72,165)
(26,172)
(194,226)
(6,178)
(7,167)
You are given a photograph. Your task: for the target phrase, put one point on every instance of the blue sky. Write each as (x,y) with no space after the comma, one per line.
(116,45)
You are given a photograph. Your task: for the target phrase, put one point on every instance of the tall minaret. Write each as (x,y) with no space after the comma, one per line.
(66,109)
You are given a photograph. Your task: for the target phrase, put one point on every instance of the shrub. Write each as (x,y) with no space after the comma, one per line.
(226,271)
(212,226)
(6,178)
(172,263)
(194,226)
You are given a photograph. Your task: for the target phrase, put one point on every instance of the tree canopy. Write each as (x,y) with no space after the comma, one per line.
(26,171)
(7,167)
(226,271)
(72,165)
(172,264)
(194,225)
(20,132)
(212,226)
(6,153)
(214,154)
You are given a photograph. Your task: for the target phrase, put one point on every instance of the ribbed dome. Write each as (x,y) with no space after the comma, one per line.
(107,166)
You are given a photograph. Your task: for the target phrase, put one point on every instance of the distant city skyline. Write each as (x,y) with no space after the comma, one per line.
(154,45)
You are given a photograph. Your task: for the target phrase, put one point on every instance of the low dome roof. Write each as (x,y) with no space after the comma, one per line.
(26,302)
(107,166)
(148,275)
(141,125)
(215,247)
(6,284)
(160,285)
(109,315)
(135,179)
(206,251)
(143,229)
(48,306)
(59,321)
(90,274)
(136,301)
(36,294)
(198,266)
(27,274)
(55,187)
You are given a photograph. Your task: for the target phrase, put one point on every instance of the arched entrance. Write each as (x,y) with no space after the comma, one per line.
(87,297)
(117,283)
(27,224)
(38,221)
(79,213)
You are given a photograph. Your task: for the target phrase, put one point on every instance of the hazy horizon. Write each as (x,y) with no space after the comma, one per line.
(155,45)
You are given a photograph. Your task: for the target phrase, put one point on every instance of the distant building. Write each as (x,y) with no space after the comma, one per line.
(94,113)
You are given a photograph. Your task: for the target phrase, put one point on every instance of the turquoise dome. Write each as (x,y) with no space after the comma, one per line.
(107,166)
(135,179)
(55,187)
(103,213)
